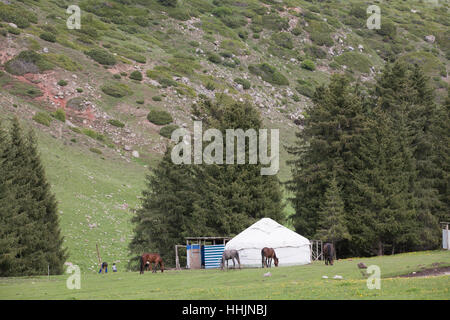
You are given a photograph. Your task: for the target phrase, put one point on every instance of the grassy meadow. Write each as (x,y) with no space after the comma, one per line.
(296,282)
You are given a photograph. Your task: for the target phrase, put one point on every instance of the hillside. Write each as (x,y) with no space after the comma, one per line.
(273,53)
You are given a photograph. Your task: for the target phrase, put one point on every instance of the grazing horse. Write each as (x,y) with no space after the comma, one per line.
(227,255)
(328,253)
(148,258)
(267,254)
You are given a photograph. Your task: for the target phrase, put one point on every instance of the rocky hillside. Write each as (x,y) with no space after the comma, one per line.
(108,95)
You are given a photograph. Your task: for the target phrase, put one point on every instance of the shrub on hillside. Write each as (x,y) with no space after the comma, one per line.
(315,52)
(60,115)
(62,83)
(245,83)
(210,86)
(166,82)
(116,123)
(305,90)
(159,117)
(274,22)
(13,30)
(387,29)
(321,39)
(27,61)
(168,3)
(95,150)
(355,61)
(214,58)
(296,31)
(268,73)
(117,90)
(283,39)
(167,130)
(102,56)
(308,65)
(20,17)
(43,118)
(47,36)
(222,12)
(136,75)
(93,134)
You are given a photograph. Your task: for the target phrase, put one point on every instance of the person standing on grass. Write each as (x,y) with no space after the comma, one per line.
(104,267)
(114,267)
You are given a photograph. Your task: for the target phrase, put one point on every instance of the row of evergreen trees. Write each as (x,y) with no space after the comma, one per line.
(205,200)
(370,172)
(371,166)
(30,239)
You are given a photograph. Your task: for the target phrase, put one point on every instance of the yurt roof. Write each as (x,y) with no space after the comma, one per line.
(267,232)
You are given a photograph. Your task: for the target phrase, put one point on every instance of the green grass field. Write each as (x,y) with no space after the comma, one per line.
(299,282)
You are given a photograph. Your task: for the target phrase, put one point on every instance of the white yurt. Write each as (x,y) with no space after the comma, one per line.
(290,247)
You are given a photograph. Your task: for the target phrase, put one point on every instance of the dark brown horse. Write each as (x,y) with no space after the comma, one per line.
(267,254)
(148,258)
(328,253)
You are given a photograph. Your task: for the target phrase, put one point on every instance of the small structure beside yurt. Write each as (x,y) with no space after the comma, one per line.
(202,252)
(290,247)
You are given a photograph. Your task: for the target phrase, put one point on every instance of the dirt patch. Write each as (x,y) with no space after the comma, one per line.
(436,271)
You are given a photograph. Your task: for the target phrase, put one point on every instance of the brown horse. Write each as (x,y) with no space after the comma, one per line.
(328,253)
(148,258)
(267,254)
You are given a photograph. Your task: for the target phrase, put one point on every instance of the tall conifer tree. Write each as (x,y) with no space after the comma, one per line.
(33,223)
(327,145)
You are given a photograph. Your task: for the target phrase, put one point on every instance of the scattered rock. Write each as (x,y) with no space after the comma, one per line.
(430,38)
(268,274)
(127,148)
(135,154)
(337,277)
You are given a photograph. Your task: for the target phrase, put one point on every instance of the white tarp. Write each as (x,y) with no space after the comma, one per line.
(290,247)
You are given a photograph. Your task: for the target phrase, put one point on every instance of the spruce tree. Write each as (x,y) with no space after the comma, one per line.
(205,199)
(406,95)
(441,129)
(328,144)
(167,204)
(232,197)
(9,239)
(33,224)
(383,214)
(45,211)
(333,223)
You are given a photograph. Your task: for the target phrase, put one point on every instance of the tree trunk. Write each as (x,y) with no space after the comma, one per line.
(380,248)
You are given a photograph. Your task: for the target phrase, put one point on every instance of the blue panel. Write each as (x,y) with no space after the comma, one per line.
(212,255)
